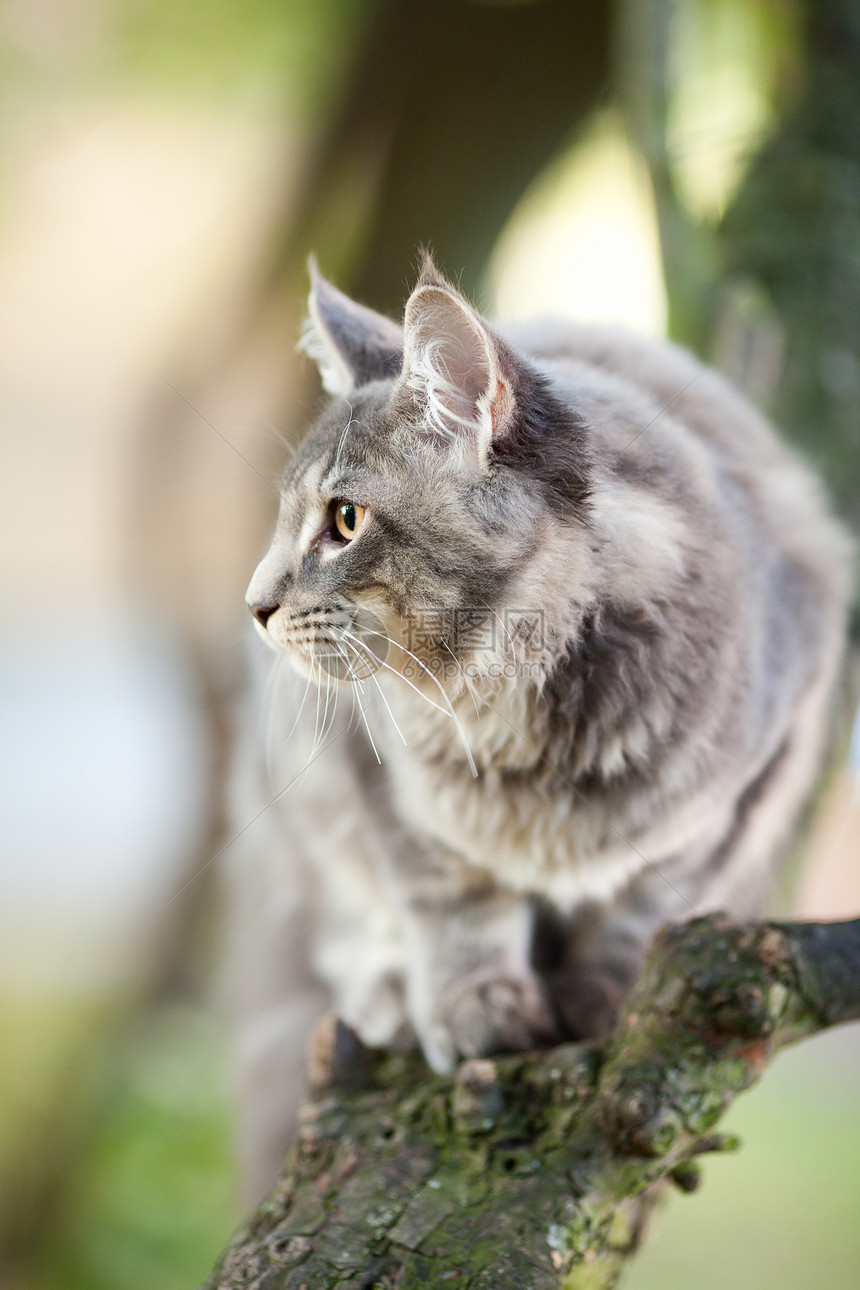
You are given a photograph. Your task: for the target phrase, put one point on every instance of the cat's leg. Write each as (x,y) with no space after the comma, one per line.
(311,932)
(359,953)
(602,948)
(606,944)
(470,986)
(273,996)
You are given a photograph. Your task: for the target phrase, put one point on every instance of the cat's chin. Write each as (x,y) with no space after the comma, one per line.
(324,670)
(267,638)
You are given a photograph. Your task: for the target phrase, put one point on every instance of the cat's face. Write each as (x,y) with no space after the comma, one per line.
(413,507)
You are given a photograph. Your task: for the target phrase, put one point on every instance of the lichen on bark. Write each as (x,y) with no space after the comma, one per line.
(538,1171)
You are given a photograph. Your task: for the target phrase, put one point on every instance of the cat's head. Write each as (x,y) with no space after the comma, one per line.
(419,500)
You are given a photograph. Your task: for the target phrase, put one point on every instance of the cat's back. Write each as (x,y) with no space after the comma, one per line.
(662,402)
(681,387)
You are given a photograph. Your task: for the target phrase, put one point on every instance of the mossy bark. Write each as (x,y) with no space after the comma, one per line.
(540,1170)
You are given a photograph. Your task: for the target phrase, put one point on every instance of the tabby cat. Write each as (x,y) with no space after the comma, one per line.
(554,621)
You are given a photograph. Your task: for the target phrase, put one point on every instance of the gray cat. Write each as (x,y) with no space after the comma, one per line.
(562,620)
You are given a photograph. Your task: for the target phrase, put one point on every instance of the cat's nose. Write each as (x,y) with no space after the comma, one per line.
(262,612)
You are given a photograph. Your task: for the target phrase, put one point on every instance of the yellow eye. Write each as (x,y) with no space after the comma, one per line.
(348,519)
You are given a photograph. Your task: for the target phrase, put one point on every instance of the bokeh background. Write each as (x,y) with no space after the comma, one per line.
(686,167)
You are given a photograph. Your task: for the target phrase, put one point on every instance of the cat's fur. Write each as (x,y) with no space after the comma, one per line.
(633,743)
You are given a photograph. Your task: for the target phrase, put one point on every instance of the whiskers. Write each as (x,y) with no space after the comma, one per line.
(447,710)
(303,640)
(274,706)
(468,684)
(358,690)
(335,653)
(350,423)
(354,643)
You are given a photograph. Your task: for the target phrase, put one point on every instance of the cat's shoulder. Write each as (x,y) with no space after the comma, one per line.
(660,384)
(704,415)
(665,372)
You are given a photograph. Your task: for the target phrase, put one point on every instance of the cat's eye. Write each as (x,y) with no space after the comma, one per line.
(348,519)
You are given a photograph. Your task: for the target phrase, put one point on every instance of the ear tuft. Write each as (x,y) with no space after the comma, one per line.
(428,274)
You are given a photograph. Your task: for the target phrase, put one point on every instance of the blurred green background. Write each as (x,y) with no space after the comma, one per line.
(689,168)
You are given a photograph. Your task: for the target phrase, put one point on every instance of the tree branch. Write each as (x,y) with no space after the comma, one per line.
(538,1171)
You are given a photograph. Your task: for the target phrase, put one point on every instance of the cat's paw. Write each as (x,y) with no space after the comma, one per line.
(377,1013)
(485,1013)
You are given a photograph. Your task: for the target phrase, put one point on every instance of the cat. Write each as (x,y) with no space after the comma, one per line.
(555,622)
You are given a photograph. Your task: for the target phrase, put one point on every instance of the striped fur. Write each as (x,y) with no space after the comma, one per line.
(611,607)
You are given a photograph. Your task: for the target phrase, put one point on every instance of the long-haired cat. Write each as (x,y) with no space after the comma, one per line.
(554,621)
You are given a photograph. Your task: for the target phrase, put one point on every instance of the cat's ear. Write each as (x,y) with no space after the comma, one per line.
(458,370)
(350,344)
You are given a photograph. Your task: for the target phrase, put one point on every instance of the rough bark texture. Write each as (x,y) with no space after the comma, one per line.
(540,1170)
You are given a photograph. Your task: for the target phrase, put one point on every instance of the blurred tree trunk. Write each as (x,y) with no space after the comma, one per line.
(642,71)
(448,113)
(794,229)
(776,284)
